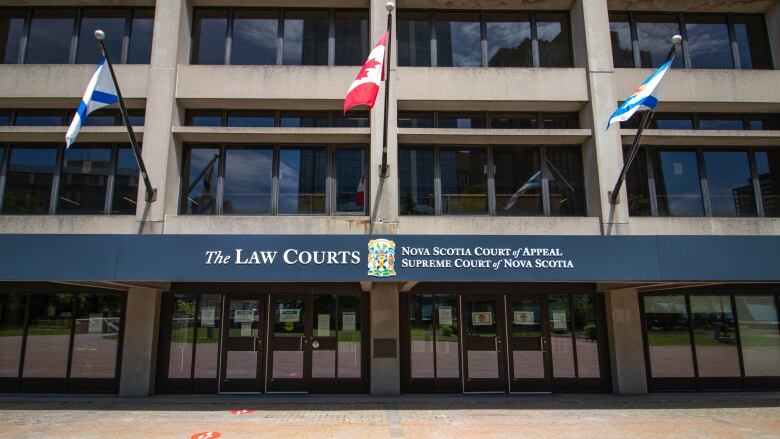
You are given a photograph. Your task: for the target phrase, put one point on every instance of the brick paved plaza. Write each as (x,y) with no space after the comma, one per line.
(713,415)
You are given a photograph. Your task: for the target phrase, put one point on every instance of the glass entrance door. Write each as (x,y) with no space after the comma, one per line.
(529,345)
(484,344)
(336,343)
(242,345)
(290,330)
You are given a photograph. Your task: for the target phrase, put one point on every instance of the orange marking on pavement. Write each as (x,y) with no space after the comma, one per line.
(206,435)
(242,411)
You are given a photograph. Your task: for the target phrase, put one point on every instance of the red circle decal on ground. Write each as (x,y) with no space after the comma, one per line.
(242,411)
(206,435)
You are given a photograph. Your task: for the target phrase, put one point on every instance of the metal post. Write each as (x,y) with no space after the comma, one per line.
(389,51)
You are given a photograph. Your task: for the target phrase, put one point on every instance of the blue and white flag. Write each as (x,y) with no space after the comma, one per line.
(100,93)
(534,182)
(643,98)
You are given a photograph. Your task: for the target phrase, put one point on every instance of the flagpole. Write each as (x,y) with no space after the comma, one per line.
(389,6)
(647,116)
(151,193)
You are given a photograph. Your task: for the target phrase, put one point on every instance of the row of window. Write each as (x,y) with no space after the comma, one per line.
(270,118)
(708,121)
(711,41)
(274,180)
(487,180)
(61,117)
(66,35)
(85,179)
(67,337)
(704,182)
(280,36)
(703,336)
(505,120)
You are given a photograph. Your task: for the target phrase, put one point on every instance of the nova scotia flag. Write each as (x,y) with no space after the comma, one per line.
(643,98)
(100,93)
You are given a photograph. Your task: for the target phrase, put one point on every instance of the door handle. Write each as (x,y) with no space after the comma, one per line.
(542,341)
(258,342)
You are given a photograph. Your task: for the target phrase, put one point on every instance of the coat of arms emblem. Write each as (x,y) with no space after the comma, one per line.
(381,258)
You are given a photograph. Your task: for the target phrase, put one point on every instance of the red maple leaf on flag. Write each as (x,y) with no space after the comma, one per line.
(370,64)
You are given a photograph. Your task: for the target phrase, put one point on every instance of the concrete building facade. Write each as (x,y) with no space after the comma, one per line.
(609,329)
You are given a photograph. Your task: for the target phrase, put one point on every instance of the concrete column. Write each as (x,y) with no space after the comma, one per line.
(773,27)
(626,349)
(384,203)
(170,46)
(385,365)
(139,348)
(603,152)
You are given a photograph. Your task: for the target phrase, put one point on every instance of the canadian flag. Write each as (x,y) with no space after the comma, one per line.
(360,194)
(366,86)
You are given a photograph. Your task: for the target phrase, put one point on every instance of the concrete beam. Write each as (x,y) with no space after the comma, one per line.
(67,82)
(71,224)
(690,5)
(626,347)
(516,5)
(57,134)
(239,225)
(492,136)
(703,137)
(494,106)
(139,348)
(495,225)
(704,226)
(271,135)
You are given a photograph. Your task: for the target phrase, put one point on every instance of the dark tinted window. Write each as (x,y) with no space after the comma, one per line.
(5,118)
(304,119)
(654,32)
(255,35)
(102,118)
(715,122)
(306,38)
(677,182)
(768,168)
(204,118)
(553,33)
(637,187)
(125,182)
(51,32)
(560,121)
(250,119)
(463,181)
(39,118)
(509,40)
(514,120)
(200,183)
(29,180)
(567,190)
(11,28)
(210,34)
(84,180)
(458,39)
(620,35)
(461,120)
(415,169)
(140,50)
(729,183)
(350,180)
(302,175)
(351,38)
(248,181)
(414,38)
(354,119)
(764,122)
(518,181)
(112,22)
(411,119)
(672,122)
(751,39)
(708,42)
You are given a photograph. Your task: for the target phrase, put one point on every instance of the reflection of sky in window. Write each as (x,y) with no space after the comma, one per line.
(349,169)
(674,124)
(305,38)
(248,179)
(49,40)
(302,173)
(38,119)
(548,31)
(32,159)
(200,160)
(726,172)
(211,45)
(242,120)
(126,163)
(458,43)
(509,35)
(709,46)
(87,161)
(254,40)
(680,183)
(416,180)
(5,119)
(720,124)
(622,50)
(13,33)
(655,41)
(140,41)
(114,27)
(206,120)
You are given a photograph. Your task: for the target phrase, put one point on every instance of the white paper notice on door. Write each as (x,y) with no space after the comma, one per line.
(246,329)
(348,321)
(523,318)
(207,317)
(445,316)
(243,315)
(289,315)
(96,323)
(559,320)
(323,325)
(482,318)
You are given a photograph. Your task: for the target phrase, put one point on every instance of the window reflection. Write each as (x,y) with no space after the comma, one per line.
(463,181)
(96,335)
(112,22)
(350,337)
(125,182)
(620,35)
(351,181)
(586,335)
(304,119)
(84,180)
(302,173)
(248,181)
(411,119)
(637,187)
(11,31)
(50,36)
(351,35)
(654,32)
(29,180)
(509,40)
(416,181)
(710,122)
(252,119)
(567,188)
(518,181)
(461,120)
(729,183)
(182,336)
(668,336)
(254,37)
(458,39)
(421,336)
(678,186)
(759,334)
(201,183)
(211,31)
(306,38)
(208,336)
(561,336)
(708,42)
(514,120)
(751,36)
(715,336)
(553,33)
(768,170)
(48,336)
(12,309)
(414,38)
(140,50)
